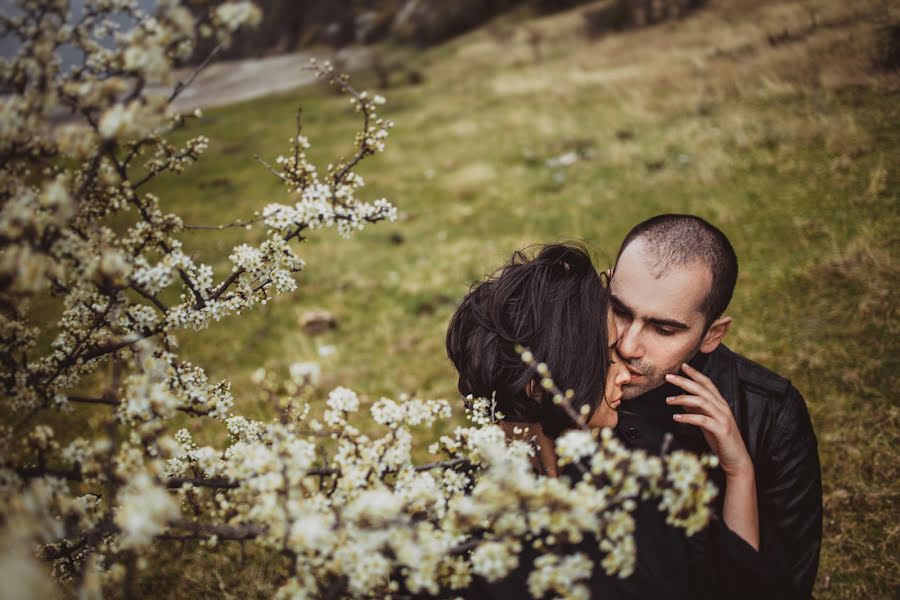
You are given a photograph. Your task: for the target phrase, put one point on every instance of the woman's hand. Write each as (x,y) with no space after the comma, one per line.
(707,409)
(544,458)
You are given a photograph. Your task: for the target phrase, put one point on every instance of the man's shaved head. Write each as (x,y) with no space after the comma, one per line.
(684,240)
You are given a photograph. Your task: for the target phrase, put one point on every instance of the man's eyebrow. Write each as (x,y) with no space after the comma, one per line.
(668,323)
(671,323)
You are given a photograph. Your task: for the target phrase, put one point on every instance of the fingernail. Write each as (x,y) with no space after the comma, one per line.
(677,417)
(670,398)
(669,375)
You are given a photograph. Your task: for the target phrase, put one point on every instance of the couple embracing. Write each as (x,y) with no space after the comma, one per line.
(641,347)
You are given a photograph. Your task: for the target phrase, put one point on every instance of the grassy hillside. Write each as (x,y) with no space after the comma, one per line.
(768,118)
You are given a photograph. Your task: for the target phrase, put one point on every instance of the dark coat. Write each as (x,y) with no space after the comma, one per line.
(774,422)
(715,564)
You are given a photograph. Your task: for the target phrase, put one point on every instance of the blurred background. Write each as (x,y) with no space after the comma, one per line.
(521,122)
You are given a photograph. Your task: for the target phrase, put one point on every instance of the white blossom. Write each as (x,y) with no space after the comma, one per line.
(144,510)
(574,445)
(494,560)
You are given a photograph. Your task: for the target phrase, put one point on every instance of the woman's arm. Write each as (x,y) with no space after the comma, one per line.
(706,409)
(544,457)
(740,511)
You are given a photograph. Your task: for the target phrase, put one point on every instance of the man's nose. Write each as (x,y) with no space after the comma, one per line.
(629,345)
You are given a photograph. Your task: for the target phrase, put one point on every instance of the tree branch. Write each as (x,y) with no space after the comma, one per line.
(207,530)
(106,399)
(216,483)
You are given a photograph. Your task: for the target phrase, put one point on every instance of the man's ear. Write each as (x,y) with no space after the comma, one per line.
(715,334)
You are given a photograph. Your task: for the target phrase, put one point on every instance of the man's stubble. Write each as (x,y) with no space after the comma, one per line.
(653,377)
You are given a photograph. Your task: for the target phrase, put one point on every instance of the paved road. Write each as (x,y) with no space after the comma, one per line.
(227,82)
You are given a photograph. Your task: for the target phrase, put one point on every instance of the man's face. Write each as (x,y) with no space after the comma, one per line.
(658,316)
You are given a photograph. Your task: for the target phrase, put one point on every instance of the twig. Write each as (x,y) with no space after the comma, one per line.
(234,224)
(558,394)
(183,85)
(271,169)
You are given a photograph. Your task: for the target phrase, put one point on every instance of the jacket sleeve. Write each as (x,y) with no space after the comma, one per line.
(729,567)
(791,494)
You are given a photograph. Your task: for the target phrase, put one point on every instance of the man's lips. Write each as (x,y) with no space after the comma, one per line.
(633,372)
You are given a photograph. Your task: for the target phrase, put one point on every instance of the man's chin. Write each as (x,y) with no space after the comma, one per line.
(633,390)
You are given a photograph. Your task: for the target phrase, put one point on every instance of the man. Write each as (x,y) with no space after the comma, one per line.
(548,302)
(672,281)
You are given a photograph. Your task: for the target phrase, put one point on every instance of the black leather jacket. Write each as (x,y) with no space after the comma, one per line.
(773,420)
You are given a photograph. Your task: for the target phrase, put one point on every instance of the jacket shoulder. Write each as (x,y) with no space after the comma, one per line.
(754,375)
(770,406)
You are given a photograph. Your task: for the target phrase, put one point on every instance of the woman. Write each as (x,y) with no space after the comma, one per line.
(555,304)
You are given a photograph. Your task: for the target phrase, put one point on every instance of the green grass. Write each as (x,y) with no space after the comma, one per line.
(790,150)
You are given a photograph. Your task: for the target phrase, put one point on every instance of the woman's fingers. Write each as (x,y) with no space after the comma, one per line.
(704,422)
(710,412)
(698,377)
(710,408)
(699,388)
(706,382)
(723,439)
(688,385)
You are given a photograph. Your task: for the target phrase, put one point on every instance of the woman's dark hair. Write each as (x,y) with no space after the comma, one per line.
(555,305)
